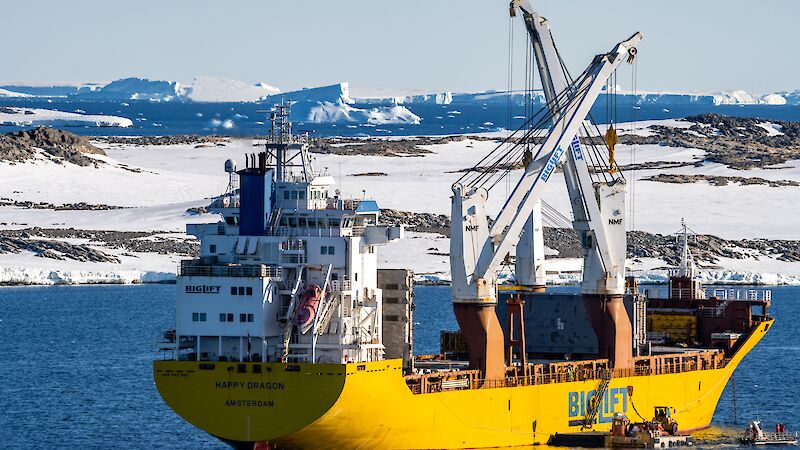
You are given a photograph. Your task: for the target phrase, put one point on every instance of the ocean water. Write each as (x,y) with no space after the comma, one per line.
(242,119)
(77,368)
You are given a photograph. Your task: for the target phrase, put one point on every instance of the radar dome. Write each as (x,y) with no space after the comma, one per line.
(230,166)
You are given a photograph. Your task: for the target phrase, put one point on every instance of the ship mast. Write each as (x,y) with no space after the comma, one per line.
(292,160)
(687,267)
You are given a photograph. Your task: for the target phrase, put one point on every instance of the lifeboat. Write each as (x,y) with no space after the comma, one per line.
(307,308)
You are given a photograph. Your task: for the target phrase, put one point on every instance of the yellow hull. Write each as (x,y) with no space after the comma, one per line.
(368,405)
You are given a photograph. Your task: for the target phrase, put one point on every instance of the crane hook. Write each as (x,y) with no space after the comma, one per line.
(611,141)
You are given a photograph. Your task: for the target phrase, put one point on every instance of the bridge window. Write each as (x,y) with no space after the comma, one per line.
(226,317)
(327,250)
(286,195)
(212,248)
(198,317)
(246,317)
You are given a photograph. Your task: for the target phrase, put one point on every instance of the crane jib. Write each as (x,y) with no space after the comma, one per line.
(551,164)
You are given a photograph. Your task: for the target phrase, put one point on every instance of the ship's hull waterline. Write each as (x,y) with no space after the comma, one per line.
(368,405)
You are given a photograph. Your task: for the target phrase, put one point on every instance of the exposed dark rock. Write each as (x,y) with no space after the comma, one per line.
(201,141)
(63,207)
(59,146)
(369,174)
(705,248)
(404,147)
(719,180)
(737,142)
(50,243)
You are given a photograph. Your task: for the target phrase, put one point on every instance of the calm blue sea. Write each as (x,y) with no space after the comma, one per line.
(77,367)
(157,119)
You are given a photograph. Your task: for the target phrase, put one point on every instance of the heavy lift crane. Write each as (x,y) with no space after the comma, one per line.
(477,249)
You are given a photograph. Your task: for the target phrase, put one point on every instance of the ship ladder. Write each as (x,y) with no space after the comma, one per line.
(274,219)
(596,400)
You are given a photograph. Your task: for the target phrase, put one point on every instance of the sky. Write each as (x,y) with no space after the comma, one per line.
(383,46)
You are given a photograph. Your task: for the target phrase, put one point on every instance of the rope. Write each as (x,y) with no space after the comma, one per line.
(634,88)
(510,86)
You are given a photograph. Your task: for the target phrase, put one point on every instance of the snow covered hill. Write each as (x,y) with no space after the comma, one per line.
(160,188)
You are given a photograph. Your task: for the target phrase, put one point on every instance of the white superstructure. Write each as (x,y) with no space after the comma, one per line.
(289,273)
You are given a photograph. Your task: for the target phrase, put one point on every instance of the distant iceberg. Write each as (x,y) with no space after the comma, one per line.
(134,89)
(211,89)
(5,93)
(340,112)
(333,93)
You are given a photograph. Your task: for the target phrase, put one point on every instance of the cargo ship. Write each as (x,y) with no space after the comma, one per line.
(289,336)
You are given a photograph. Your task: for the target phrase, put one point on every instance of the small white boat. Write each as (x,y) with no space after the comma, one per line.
(755,435)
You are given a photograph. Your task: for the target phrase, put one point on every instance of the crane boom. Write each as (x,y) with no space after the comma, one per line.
(477,251)
(507,227)
(598,211)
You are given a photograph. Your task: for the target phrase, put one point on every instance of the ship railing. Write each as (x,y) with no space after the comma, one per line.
(248,271)
(687,294)
(293,244)
(286,231)
(341,285)
(538,374)
(293,258)
(753,295)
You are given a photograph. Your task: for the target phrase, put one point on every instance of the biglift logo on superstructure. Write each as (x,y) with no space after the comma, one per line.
(579,403)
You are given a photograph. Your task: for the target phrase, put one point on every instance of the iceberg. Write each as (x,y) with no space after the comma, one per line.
(135,89)
(4,93)
(340,112)
(211,89)
(333,93)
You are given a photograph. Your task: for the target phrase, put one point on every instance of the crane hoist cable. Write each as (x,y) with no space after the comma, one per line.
(482,173)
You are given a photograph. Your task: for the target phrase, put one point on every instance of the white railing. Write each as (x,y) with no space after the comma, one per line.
(743,294)
(247,271)
(341,285)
